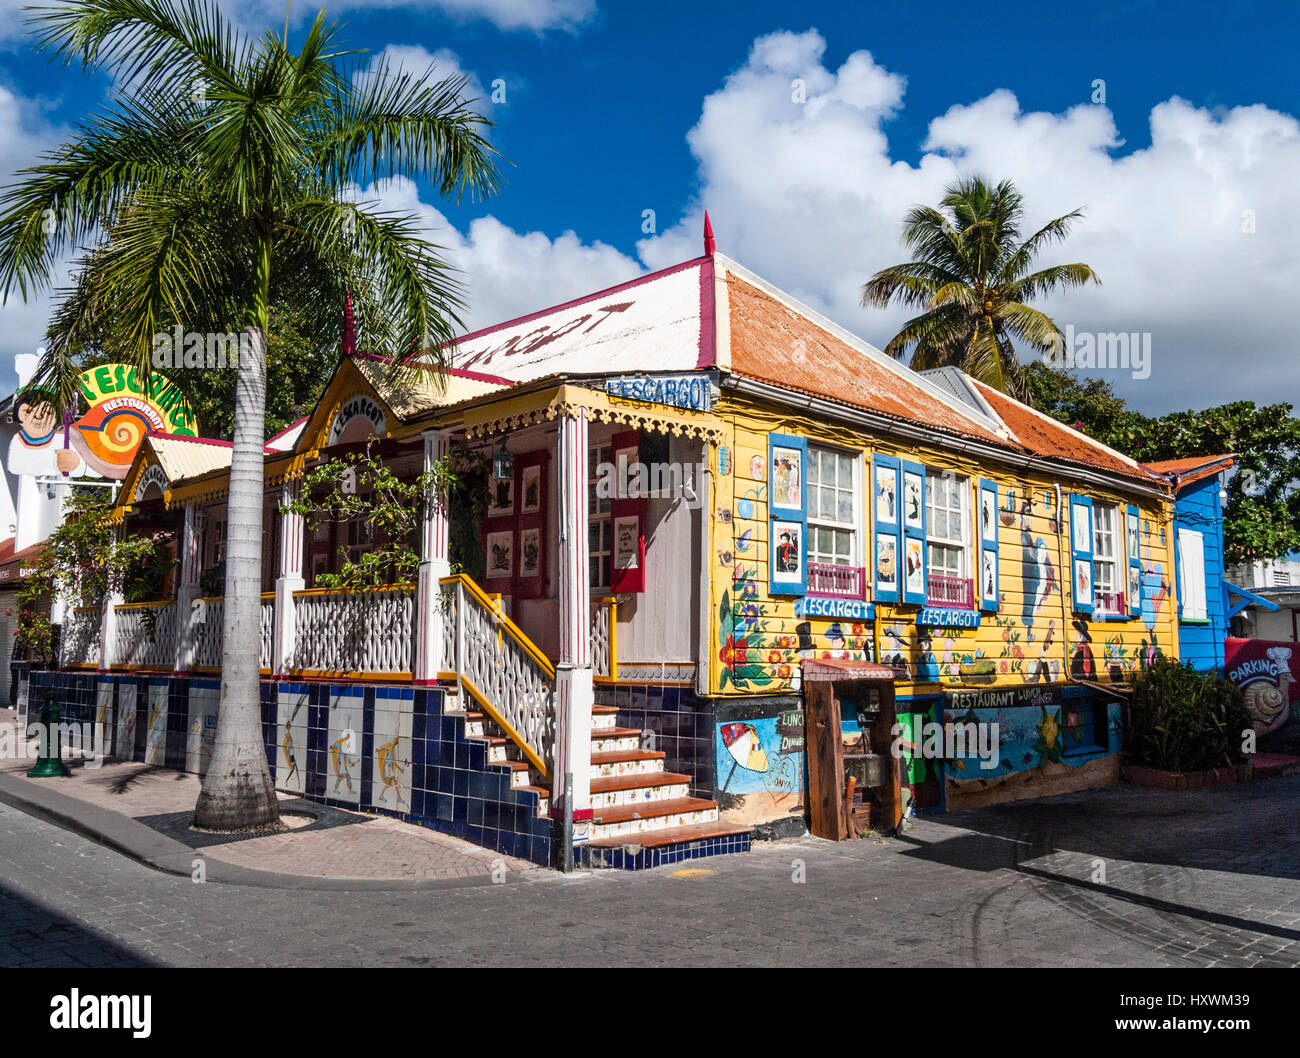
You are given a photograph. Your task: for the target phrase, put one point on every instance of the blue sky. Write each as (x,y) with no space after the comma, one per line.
(613,109)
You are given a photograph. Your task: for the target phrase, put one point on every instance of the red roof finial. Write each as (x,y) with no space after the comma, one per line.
(349,328)
(709,246)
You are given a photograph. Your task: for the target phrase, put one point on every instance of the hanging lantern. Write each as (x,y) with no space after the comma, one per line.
(503,462)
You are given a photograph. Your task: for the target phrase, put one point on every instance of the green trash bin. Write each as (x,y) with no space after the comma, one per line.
(50,764)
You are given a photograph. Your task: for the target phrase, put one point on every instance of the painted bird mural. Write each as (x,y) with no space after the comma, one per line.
(1039,576)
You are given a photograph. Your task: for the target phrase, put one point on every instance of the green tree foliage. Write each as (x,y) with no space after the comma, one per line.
(86,560)
(1262,519)
(972,276)
(1183,720)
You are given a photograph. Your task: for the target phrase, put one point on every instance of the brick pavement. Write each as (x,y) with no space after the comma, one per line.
(342,845)
(1199,878)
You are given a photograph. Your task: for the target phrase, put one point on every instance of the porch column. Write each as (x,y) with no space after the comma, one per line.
(574,693)
(289,580)
(187,588)
(108,617)
(434,565)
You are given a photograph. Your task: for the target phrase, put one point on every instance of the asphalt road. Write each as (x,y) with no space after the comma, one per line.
(1116,877)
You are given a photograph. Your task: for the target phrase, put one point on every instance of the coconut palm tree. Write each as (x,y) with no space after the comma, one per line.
(213,185)
(970,275)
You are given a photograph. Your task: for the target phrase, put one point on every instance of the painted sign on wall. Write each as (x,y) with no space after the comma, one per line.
(103,441)
(1268,674)
(693,392)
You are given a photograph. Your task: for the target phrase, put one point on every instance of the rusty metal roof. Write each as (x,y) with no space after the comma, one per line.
(1190,469)
(1044,436)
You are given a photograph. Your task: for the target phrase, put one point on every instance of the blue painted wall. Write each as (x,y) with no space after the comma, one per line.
(1197,508)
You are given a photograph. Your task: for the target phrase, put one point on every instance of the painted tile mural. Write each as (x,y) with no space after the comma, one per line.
(346,719)
(1032,637)
(204,700)
(390,769)
(292,711)
(760,767)
(155,741)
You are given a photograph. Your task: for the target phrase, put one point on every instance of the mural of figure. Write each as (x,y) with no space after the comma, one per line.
(390,770)
(1082,665)
(342,761)
(1037,571)
(37,449)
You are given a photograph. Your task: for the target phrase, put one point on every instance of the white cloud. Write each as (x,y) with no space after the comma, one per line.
(810,196)
(440,65)
(509,273)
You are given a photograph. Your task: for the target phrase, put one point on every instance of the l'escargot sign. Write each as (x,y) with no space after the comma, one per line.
(1268,673)
(104,440)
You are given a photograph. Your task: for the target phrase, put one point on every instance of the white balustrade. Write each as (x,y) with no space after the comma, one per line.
(603,617)
(208,635)
(146,635)
(268,630)
(79,641)
(354,631)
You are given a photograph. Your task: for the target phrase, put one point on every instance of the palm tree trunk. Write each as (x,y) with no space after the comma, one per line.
(237,791)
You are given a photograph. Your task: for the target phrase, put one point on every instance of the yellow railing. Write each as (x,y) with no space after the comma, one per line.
(489,602)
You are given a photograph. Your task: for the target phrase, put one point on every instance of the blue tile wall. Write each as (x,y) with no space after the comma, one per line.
(681,722)
(453,788)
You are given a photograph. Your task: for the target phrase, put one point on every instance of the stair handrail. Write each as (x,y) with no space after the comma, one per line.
(466,590)
(500,617)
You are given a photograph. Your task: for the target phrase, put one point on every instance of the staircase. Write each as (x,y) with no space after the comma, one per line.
(643,816)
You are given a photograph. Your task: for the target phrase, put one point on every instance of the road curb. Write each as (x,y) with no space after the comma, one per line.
(146,846)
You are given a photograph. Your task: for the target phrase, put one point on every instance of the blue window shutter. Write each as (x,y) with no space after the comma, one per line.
(886,549)
(915,585)
(787,505)
(987,580)
(1133,544)
(1081,584)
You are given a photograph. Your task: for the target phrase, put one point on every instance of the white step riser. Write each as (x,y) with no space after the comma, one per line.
(640,795)
(602,723)
(645,826)
(628,767)
(613,745)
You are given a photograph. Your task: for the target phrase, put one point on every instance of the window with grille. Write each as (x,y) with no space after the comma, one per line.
(946,499)
(1107,583)
(834,514)
(600,533)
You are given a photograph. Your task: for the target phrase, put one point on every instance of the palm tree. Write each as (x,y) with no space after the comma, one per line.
(970,274)
(211,188)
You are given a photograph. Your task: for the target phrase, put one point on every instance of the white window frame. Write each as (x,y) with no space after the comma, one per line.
(600,560)
(961,542)
(1114,584)
(855,528)
(1193,596)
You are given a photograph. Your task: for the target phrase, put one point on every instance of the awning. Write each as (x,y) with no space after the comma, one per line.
(1247,598)
(15,566)
(832,670)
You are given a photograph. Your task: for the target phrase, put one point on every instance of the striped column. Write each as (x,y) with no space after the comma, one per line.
(574,694)
(108,618)
(288,581)
(187,588)
(434,565)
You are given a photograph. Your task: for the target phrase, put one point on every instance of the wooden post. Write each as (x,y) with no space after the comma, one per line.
(825,754)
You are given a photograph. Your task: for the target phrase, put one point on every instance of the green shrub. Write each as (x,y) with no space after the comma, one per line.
(1183,720)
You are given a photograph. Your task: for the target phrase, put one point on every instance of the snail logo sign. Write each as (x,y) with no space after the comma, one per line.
(1267,674)
(103,442)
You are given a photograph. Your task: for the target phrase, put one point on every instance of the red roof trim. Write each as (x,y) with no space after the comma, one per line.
(708,310)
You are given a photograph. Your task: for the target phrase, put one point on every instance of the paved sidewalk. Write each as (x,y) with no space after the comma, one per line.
(145,812)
